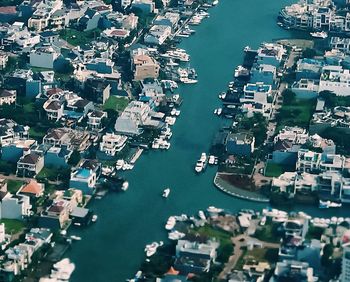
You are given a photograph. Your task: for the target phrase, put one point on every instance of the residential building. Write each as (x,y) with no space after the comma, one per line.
(57,157)
(335,79)
(43,57)
(3,60)
(54,109)
(112,143)
(95,119)
(83,179)
(157,35)
(345,265)
(305,88)
(97,90)
(32,189)
(56,216)
(270,54)
(13,151)
(263,73)
(14,206)
(291,270)
(309,68)
(240,144)
(145,67)
(10,131)
(257,94)
(7,96)
(30,164)
(147,6)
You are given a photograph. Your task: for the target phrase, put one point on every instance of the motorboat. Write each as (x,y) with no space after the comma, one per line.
(201,215)
(170,223)
(62,270)
(76,238)
(125,185)
(199,166)
(170,120)
(119,164)
(176,235)
(166,193)
(241,71)
(219,111)
(319,34)
(211,160)
(263,221)
(329,204)
(213,209)
(151,249)
(94,218)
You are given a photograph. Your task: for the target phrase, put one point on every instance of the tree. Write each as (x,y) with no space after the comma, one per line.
(159,4)
(74,158)
(288,96)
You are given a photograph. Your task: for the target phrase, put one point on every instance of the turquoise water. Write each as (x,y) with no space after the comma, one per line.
(112,249)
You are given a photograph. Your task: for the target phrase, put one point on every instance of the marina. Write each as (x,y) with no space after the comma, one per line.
(141,213)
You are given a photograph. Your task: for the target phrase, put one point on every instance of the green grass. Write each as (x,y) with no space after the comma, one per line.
(36,133)
(13,226)
(298,113)
(267,233)
(116,103)
(75,37)
(273,170)
(14,185)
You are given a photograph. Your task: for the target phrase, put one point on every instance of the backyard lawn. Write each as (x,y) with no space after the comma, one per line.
(76,37)
(116,103)
(275,170)
(14,185)
(12,226)
(298,112)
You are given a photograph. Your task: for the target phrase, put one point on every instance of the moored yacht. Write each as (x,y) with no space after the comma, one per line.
(125,185)
(166,193)
(321,34)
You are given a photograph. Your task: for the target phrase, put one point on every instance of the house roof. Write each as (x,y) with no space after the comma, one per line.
(81,103)
(8,10)
(31,158)
(54,105)
(33,187)
(6,93)
(48,33)
(56,208)
(53,91)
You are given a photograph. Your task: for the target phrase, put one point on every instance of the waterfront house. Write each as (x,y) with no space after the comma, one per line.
(56,216)
(10,131)
(132,118)
(240,144)
(341,44)
(145,67)
(169,19)
(73,196)
(195,257)
(83,179)
(257,94)
(263,73)
(112,143)
(308,161)
(95,119)
(157,35)
(30,164)
(270,54)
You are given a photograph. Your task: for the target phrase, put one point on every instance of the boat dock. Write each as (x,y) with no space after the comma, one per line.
(136,155)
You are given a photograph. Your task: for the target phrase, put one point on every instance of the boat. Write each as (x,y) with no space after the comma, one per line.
(76,238)
(213,209)
(166,193)
(215,2)
(211,160)
(241,71)
(246,49)
(62,270)
(199,166)
(170,223)
(201,215)
(176,235)
(94,218)
(263,221)
(119,164)
(125,185)
(151,249)
(177,113)
(178,54)
(329,204)
(319,34)
(215,111)
(219,111)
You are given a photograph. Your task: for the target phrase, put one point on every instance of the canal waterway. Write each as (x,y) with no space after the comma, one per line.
(112,249)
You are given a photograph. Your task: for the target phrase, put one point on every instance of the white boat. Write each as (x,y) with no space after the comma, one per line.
(241,71)
(171,63)
(155,143)
(203,157)
(173,112)
(119,164)
(125,185)
(170,120)
(176,235)
(215,2)
(170,223)
(211,160)
(166,193)
(329,204)
(201,215)
(76,238)
(94,218)
(321,34)
(219,111)
(151,249)
(177,54)
(213,209)
(177,113)
(246,48)
(62,270)
(189,81)
(199,166)
(263,221)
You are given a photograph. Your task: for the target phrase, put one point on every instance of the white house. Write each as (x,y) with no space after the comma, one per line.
(335,79)
(7,97)
(43,57)
(112,143)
